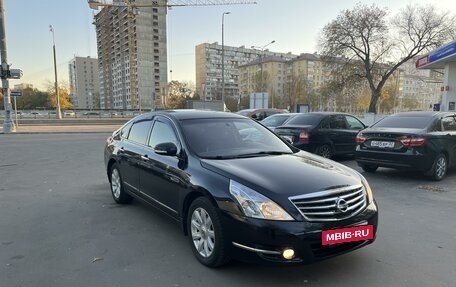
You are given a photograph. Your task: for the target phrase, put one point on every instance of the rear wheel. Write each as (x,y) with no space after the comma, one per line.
(439,167)
(205,233)
(117,189)
(324,151)
(369,168)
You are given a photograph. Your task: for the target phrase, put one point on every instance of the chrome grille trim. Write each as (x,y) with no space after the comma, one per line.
(321,206)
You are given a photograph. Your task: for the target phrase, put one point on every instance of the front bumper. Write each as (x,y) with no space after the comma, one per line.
(263,241)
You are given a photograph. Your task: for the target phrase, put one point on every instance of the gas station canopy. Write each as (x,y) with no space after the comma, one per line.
(438,58)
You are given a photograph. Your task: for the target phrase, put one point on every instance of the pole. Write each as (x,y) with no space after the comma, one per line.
(223,60)
(15,111)
(58,113)
(8,124)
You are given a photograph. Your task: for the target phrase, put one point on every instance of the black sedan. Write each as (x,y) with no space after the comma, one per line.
(323,133)
(238,190)
(422,141)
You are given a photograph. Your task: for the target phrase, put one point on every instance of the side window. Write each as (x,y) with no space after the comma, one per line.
(354,123)
(325,123)
(162,133)
(449,124)
(338,122)
(140,130)
(257,116)
(124,132)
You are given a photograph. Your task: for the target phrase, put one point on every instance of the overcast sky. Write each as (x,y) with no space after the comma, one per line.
(293,24)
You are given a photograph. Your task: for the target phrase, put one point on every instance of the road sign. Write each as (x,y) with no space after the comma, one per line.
(15,94)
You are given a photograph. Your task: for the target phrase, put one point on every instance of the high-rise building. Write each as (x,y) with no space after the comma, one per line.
(132,55)
(208,58)
(84,83)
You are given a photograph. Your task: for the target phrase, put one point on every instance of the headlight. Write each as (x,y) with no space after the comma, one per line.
(370,196)
(256,205)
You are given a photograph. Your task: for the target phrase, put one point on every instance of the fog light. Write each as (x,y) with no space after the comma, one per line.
(288,253)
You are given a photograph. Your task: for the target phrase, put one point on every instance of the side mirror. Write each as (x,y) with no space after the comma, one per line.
(168,148)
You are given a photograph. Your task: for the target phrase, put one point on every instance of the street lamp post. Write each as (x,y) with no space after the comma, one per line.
(261,67)
(8,124)
(57,112)
(223,59)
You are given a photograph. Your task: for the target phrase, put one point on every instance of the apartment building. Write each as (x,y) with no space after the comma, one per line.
(420,85)
(268,74)
(209,67)
(302,74)
(132,55)
(84,83)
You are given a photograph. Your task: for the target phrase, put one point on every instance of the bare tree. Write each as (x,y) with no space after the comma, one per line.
(178,93)
(365,36)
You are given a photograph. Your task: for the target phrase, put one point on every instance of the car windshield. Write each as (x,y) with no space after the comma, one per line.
(231,138)
(305,119)
(404,122)
(275,120)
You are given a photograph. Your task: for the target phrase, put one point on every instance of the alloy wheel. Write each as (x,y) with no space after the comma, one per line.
(440,167)
(202,231)
(115,183)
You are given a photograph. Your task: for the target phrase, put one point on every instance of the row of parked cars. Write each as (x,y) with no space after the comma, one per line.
(421,141)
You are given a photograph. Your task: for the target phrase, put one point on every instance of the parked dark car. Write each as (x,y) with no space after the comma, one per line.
(260,114)
(422,141)
(323,133)
(254,199)
(276,120)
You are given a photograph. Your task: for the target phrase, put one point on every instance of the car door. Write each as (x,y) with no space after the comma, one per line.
(130,151)
(337,133)
(162,176)
(449,129)
(354,126)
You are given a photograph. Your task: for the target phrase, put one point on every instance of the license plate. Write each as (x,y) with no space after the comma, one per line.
(348,234)
(382,144)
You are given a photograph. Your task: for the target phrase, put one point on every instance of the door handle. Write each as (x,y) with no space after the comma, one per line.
(145,157)
(122,150)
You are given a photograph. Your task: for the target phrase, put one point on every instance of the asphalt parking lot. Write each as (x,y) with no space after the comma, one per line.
(60,227)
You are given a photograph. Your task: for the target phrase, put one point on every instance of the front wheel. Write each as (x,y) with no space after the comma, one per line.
(117,189)
(206,236)
(439,167)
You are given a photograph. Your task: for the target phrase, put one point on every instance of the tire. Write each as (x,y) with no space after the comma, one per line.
(439,168)
(117,190)
(324,151)
(205,233)
(369,168)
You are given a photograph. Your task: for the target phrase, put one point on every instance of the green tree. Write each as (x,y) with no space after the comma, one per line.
(33,98)
(64,96)
(366,37)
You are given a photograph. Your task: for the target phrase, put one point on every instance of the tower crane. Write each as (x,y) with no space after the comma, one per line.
(132,9)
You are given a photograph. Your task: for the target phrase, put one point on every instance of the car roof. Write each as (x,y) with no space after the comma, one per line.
(421,114)
(196,114)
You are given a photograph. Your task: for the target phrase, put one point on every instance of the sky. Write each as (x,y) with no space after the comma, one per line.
(295,26)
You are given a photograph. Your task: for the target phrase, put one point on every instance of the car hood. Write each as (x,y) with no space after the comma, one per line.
(288,175)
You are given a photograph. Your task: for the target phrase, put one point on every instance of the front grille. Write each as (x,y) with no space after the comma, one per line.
(331,205)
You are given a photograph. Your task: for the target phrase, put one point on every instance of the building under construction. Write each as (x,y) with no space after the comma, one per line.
(131,42)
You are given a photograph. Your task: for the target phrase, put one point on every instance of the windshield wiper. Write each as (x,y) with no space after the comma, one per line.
(262,153)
